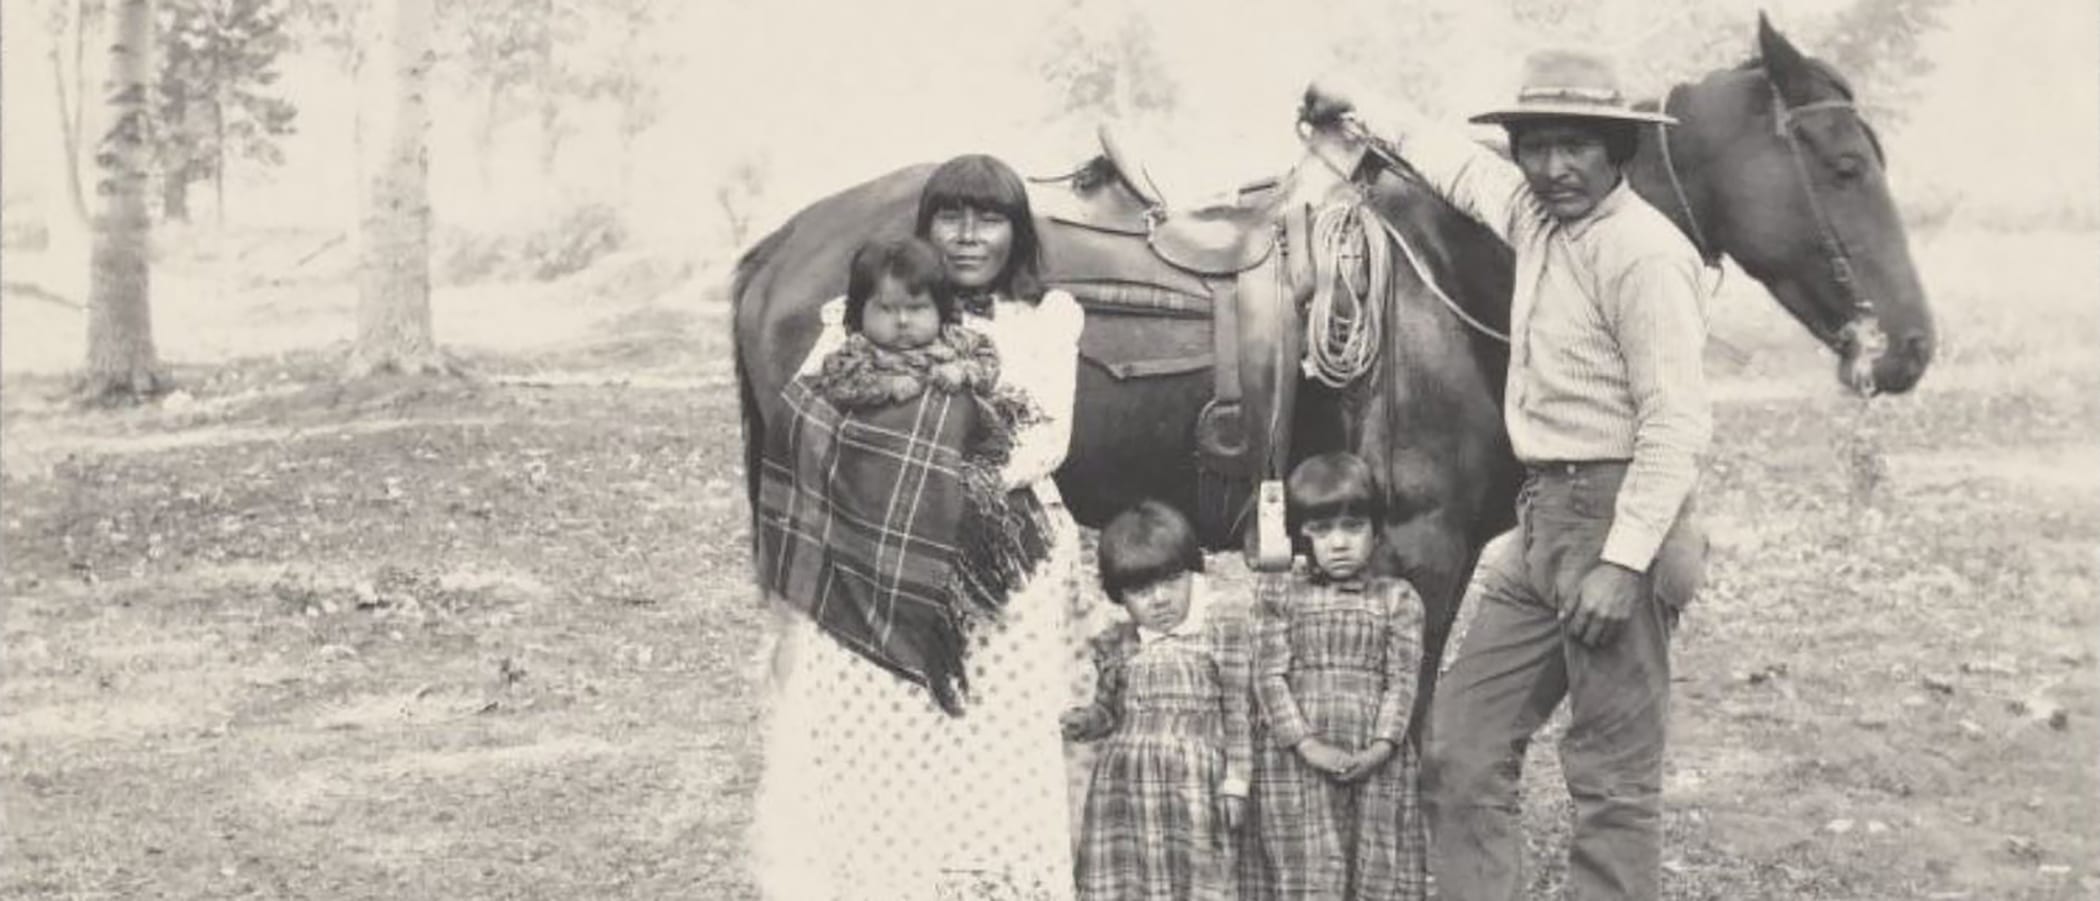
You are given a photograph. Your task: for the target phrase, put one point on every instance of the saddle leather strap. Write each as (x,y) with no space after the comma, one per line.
(1225,345)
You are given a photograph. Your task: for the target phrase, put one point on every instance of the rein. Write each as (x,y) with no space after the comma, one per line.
(1862,331)
(1833,244)
(1708,251)
(1414,261)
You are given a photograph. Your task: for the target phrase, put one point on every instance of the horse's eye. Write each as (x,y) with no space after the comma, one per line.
(1851,167)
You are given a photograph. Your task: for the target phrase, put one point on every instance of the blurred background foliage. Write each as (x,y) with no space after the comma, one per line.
(569,129)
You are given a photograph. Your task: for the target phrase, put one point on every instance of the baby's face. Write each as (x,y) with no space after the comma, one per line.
(898,319)
(1161,605)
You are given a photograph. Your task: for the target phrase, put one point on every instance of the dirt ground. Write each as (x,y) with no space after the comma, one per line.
(280,637)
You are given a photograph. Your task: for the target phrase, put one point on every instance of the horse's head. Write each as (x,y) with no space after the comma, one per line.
(1793,185)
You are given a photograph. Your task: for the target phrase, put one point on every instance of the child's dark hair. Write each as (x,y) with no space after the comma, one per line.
(1332,485)
(1145,544)
(916,266)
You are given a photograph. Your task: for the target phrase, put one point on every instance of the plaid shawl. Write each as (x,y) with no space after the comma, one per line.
(879,524)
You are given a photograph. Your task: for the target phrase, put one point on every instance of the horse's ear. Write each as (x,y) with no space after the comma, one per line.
(1784,65)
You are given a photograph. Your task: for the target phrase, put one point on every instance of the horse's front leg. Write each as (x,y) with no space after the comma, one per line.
(1432,551)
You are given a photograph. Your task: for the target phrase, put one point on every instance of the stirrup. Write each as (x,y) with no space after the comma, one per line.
(1269,542)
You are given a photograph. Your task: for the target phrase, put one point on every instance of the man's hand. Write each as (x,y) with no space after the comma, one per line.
(1328,99)
(1323,757)
(1603,602)
(1324,104)
(1367,761)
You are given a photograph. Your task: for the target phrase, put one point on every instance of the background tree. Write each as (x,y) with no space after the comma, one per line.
(1876,44)
(737,194)
(508,54)
(120,358)
(1100,59)
(219,64)
(393,306)
(626,71)
(67,23)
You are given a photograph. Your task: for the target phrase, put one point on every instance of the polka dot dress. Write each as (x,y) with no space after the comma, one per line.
(870,791)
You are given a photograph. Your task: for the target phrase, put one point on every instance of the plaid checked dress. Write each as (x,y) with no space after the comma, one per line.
(870,790)
(1337,661)
(1173,709)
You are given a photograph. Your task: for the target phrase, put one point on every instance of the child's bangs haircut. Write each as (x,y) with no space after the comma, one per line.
(1145,544)
(1332,485)
(916,266)
(979,181)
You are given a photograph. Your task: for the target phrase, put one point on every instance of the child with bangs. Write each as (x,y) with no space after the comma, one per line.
(1170,781)
(904,332)
(1339,649)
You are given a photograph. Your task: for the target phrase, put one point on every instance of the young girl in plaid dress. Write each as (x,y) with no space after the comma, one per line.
(1336,794)
(1170,780)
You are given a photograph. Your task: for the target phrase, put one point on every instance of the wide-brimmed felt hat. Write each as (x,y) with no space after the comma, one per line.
(1570,83)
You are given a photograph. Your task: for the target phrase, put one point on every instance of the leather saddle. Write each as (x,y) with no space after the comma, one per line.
(1242,261)
(1115,192)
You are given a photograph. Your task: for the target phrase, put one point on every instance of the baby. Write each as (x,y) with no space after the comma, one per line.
(903,332)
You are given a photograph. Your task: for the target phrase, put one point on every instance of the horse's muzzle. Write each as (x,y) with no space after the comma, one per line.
(1870,363)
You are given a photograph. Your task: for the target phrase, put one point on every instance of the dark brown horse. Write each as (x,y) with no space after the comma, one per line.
(1772,166)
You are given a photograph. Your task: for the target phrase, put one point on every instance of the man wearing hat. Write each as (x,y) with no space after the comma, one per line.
(1606,405)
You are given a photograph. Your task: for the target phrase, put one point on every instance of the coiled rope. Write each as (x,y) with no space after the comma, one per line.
(1346,320)
(1354,128)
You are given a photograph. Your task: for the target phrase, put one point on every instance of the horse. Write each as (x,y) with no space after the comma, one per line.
(1771,166)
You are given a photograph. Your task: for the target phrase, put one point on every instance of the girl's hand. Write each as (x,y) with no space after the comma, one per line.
(1367,761)
(1234,809)
(773,660)
(1323,757)
(1074,722)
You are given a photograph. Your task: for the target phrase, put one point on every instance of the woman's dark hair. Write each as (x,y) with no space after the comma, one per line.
(980,182)
(1621,139)
(1332,485)
(913,263)
(1147,543)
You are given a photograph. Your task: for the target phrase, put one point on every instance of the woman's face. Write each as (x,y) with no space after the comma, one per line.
(974,245)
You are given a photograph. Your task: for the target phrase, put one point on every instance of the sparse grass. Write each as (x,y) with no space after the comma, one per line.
(489,638)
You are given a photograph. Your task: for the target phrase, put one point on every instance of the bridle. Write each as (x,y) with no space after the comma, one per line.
(1862,331)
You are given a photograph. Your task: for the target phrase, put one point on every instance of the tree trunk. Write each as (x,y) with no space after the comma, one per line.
(69,135)
(393,305)
(121,363)
(175,160)
(176,145)
(485,136)
(218,161)
(630,96)
(72,105)
(549,84)
(175,195)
